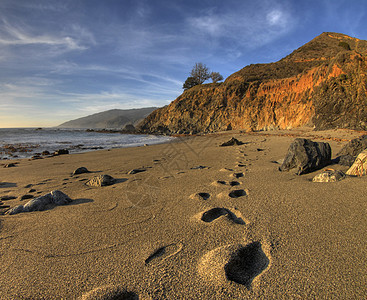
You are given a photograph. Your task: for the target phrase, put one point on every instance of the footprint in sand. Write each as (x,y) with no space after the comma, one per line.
(234,194)
(200,196)
(163,253)
(237,175)
(222,183)
(109,292)
(238,193)
(226,170)
(217,212)
(234,263)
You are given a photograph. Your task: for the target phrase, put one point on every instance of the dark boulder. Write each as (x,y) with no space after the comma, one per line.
(348,154)
(306,156)
(346,160)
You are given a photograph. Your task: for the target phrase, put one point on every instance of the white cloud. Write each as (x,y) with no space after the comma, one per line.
(15,35)
(214,25)
(275,17)
(244,27)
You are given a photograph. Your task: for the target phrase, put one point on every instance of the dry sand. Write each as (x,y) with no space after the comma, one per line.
(173,231)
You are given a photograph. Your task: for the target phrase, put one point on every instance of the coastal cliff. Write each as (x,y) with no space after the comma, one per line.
(321,84)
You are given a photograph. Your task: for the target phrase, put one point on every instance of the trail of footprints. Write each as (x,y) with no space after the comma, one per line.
(235,262)
(230,263)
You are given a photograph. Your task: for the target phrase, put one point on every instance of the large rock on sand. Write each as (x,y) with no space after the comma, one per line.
(41,203)
(306,156)
(359,167)
(350,151)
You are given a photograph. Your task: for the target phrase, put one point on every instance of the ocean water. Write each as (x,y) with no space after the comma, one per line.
(26,142)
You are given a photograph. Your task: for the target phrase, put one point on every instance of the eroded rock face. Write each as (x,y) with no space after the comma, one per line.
(306,156)
(303,88)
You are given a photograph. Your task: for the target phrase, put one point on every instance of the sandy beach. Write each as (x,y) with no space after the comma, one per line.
(198,221)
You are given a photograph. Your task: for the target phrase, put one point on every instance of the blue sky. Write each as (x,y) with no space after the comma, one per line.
(61,59)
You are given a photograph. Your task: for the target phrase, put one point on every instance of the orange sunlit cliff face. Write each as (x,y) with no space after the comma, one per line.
(321,84)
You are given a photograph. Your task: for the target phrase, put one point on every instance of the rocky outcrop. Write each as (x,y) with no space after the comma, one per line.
(322,84)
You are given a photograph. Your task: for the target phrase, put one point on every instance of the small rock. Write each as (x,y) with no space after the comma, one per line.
(61,152)
(81,170)
(199,168)
(31,191)
(135,171)
(11,165)
(329,175)
(233,141)
(101,180)
(34,157)
(44,153)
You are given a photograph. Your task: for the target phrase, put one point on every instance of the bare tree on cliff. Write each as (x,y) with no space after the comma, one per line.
(215,76)
(200,72)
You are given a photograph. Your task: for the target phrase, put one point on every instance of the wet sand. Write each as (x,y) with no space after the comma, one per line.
(200,222)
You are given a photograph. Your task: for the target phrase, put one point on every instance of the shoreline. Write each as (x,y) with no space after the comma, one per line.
(170,230)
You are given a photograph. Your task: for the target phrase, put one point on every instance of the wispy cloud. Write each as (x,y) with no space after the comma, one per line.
(11,35)
(244,27)
(77,39)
